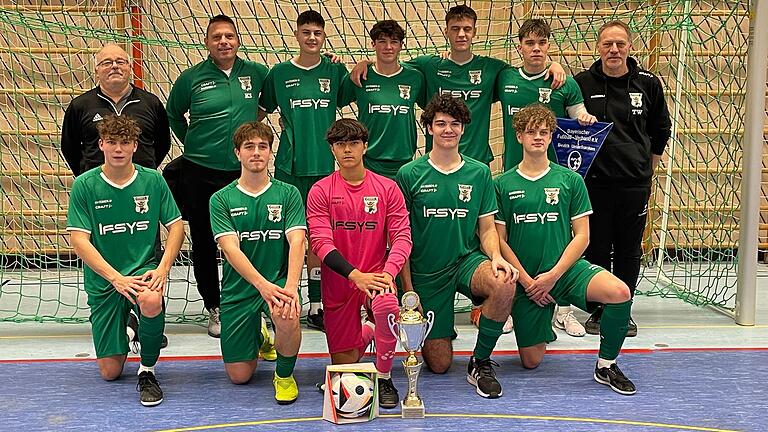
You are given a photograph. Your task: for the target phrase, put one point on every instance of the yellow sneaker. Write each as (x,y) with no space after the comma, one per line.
(267,349)
(286,390)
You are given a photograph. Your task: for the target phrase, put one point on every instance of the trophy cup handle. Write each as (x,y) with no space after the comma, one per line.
(392,324)
(430,322)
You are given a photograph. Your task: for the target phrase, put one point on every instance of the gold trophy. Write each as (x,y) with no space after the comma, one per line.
(412,330)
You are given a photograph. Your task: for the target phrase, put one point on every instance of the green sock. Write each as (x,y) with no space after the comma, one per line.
(313,287)
(285,365)
(487,336)
(613,329)
(150,337)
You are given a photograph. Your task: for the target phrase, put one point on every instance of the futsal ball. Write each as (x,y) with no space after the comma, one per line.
(352,393)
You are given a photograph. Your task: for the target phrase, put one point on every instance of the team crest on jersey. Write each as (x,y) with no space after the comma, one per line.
(371,204)
(142,203)
(245,83)
(275,212)
(553,195)
(405,91)
(544,95)
(475,77)
(465,192)
(325,85)
(636,99)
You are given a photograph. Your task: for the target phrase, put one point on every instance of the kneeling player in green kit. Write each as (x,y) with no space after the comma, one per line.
(543,228)
(114,214)
(260,226)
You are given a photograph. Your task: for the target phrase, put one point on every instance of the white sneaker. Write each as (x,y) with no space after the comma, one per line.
(214,323)
(570,324)
(508,326)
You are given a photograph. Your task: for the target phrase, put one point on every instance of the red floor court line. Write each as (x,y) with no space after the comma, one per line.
(456,353)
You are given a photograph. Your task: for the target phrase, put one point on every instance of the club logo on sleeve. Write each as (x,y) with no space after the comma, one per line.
(371,204)
(325,85)
(544,95)
(636,99)
(475,77)
(142,203)
(275,212)
(465,192)
(553,195)
(405,91)
(245,83)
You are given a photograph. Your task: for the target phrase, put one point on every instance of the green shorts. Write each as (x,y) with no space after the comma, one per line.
(109,316)
(241,327)
(386,168)
(437,292)
(302,183)
(533,323)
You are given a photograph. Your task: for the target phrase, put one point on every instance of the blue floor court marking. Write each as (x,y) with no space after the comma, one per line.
(676,391)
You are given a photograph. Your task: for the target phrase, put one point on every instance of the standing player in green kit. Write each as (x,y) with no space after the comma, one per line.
(520,87)
(114,215)
(386,102)
(306,90)
(260,226)
(219,93)
(543,228)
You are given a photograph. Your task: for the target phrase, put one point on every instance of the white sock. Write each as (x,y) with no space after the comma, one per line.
(383,375)
(314,307)
(143,368)
(563,311)
(603,363)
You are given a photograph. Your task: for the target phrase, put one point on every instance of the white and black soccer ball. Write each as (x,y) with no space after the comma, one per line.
(352,394)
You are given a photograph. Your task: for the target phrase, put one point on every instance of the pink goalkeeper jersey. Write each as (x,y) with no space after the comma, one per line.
(358,221)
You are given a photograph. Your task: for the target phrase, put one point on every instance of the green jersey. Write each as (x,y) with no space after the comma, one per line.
(516,90)
(385,105)
(122,221)
(474,83)
(538,213)
(217,104)
(260,221)
(444,208)
(308,99)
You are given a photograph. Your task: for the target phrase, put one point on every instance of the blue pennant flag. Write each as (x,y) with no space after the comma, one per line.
(576,146)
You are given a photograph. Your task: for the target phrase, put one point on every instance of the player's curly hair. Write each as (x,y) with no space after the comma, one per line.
(249,130)
(445,104)
(346,130)
(534,115)
(118,127)
(387,28)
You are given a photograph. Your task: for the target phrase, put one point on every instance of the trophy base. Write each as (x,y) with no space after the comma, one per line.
(412,412)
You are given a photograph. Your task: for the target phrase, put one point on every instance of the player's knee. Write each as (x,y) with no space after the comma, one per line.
(151,305)
(110,372)
(620,292)
(530,360)
(239,376)
(438,366)
(288,325)
(383,305)
(504,292)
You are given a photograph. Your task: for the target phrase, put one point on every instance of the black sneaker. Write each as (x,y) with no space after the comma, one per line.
(631,328)
(592,325)
(388,397)
(315,321)
(614,378)
(149,389)
(133,329)
(480,374)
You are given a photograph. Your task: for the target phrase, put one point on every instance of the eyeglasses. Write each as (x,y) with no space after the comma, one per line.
(108,63)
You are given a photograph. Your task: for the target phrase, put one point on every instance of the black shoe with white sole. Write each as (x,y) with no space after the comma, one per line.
(480,374)
(615,379)
(149,389)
